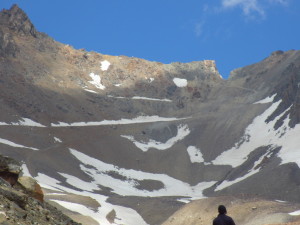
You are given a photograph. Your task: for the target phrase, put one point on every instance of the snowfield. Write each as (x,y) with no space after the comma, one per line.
(195,154)
(284,137)
(98,171)
(12,144)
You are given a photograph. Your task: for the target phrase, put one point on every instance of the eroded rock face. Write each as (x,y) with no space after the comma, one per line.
(17,20)
(7,45)
(9,169)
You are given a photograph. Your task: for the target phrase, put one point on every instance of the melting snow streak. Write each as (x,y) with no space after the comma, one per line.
(139,119)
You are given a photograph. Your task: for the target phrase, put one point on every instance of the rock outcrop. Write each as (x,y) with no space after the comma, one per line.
(22,199)
(17,20)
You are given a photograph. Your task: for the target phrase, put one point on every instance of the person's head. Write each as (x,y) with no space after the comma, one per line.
(222,209)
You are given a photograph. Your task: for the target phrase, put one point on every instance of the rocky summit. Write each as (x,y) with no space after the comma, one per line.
(122,140)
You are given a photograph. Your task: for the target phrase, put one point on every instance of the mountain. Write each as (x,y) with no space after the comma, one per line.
(122,140)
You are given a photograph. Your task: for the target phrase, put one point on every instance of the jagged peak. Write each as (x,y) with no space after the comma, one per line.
(17,20)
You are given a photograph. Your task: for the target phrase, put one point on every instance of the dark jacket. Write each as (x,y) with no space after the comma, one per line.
(222,219)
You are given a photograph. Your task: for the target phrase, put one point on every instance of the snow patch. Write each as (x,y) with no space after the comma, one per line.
(88,90)
(105,65)
(255,169)
(184,200)
(151,99)
(266,100)
(12,144)
(296,213)
(23,122)
(195,154)
(25,170)
(180,82)
(139,119)
(96,81)
(56,139)
(182,132)
(142,98)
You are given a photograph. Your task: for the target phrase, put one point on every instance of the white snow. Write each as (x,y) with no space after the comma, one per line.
(88,90)
(25,170)
(77,183)
(81,209)
(266,100)
(23,122)
(151,99)
(50,194)
(125,215)
(105,65)
(251,140)
(151,79)
(56,139)
(255,169)
(96,81)
(184,200)
(296,213)
(285,137)
(182,132)
(180,82)
(280,201)
(139,119)
(12,144)
(195,154)
(97,170)
(48,182)
(117,85)
(258,134)
(142,98)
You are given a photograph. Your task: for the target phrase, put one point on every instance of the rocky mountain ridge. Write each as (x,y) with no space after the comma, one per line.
(122,140)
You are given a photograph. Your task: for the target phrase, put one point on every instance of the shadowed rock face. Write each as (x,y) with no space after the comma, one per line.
(137,132)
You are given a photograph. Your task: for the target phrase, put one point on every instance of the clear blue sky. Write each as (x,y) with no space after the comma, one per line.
(235,33)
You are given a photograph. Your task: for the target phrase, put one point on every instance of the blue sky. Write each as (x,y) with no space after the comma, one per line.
(235,33)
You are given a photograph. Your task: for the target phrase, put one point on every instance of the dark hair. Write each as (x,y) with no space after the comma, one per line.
(222,209)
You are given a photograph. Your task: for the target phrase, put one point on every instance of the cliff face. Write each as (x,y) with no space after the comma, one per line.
(112,136)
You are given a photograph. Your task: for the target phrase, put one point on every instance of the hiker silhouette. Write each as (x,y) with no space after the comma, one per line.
(222,218)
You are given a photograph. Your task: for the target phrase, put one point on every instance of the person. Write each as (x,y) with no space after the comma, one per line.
(222,218)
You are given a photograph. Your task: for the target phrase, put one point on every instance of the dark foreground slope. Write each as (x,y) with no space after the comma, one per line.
(121,139)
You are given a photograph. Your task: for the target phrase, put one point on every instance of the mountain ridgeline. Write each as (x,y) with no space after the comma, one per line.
(122,140)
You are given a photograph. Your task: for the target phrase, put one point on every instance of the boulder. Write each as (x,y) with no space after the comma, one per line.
(32,188)
(9,169)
